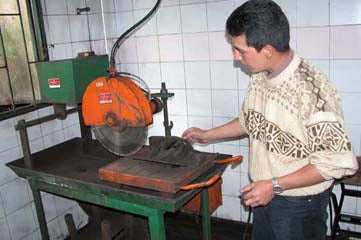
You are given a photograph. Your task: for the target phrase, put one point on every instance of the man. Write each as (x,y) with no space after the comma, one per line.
(292,115)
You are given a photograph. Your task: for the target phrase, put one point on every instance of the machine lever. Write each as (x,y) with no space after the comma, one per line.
(201,184)
(234,161)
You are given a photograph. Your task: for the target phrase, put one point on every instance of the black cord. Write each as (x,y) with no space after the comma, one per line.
(121,38)
(247,224)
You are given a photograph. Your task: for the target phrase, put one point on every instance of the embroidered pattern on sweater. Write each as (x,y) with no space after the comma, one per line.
(274,138)
(323,136)
(313,86)
(328,136)
(307,91)
(316,93)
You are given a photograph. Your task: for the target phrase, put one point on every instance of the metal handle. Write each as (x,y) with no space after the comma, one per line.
(232,160)
(201,184)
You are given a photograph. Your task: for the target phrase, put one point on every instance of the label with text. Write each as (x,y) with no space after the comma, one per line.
(105,97)
(54,82)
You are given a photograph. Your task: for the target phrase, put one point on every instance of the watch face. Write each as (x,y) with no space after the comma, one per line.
(277,190)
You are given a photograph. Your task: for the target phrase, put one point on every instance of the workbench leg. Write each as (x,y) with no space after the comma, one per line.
(156,225)
(206,220)
(39,211)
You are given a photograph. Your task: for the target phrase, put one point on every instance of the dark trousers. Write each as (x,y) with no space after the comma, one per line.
(292,218)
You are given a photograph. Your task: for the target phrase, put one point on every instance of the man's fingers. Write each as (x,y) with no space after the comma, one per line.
(188,133)
(246,188)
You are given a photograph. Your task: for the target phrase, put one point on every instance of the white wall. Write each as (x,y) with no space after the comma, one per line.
(184,46)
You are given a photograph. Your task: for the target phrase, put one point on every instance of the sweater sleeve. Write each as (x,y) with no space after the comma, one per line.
(243,117)
(330,148)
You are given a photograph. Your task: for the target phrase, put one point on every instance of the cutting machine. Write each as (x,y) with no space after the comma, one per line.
(119,110)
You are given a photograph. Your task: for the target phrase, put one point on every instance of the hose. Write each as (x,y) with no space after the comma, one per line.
(122,37)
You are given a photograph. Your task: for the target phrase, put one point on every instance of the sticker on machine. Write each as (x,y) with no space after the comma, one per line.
(54,82)
(105,97)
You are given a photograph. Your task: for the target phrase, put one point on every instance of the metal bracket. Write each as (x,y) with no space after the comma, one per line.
(164,95)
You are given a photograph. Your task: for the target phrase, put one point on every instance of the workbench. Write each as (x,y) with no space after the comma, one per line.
(70,169)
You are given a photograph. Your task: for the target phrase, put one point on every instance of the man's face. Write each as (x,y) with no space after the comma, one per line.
(252,60)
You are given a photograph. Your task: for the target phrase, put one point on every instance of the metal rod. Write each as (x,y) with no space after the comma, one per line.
(167,126)
(7,70)
(39,210)
(39,29)
(88,25)
(45,119)
(25,143)
(84,130)
(206,220)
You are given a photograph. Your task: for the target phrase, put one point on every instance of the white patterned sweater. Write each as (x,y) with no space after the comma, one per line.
(295,119)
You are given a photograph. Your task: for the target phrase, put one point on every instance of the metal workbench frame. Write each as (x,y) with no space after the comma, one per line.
(153,209)
(42,171)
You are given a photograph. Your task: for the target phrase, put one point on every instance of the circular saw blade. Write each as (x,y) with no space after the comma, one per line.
(122,142)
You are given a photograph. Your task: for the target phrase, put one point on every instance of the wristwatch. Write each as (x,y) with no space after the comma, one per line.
(276,187)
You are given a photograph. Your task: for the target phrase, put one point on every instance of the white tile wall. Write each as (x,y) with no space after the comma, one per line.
(95,6)
(312,13)
(49,207)
(225,103)
(194,18)
(184,45)
(151,74)
(15,195)
(149,27)
(200,122)
(4,229)
(8,135)
(217,19)
(223,75)
(148,49)
(21,223)
(124,21)
(196,47)
(178,106)
(123,5)
(346,74)
(199,102)
(141,4)
(198,75)
(56,7)
(79,28)
(345,14)
(6,175)
(169,20)
(59,29)
(96,26)
(173,74)
(170,48)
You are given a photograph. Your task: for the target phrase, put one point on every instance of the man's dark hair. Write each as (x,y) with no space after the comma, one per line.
(263,22)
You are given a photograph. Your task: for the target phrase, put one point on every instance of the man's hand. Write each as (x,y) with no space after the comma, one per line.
(195,135)
(258,193)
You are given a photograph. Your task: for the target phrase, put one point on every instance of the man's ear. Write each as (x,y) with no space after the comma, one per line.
(268,50)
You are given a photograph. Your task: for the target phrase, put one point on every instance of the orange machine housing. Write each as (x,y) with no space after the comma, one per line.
(116,102)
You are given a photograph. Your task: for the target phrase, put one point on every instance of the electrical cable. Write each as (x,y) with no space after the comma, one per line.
(122,37)
(247,224)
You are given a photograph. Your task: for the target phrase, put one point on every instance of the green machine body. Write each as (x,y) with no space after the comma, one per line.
(64,81)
